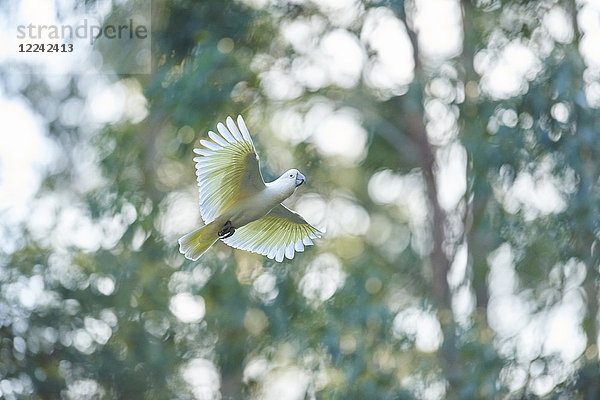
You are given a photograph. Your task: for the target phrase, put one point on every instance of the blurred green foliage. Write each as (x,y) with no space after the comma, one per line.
(363,314)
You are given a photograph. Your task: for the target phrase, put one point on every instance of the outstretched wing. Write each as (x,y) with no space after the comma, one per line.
(227,169)
(279,233)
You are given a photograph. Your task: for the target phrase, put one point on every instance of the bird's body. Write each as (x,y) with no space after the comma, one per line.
(238,207)
(257,206)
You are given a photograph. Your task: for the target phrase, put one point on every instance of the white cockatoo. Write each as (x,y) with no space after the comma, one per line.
(237,206)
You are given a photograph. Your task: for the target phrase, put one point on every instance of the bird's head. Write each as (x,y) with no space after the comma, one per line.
(289,181)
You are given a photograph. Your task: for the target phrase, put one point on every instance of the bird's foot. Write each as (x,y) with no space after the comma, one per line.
(226,231)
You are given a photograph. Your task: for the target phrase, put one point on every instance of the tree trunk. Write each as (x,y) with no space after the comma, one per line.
(414,126)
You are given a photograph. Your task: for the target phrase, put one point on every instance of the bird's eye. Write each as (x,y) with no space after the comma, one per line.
(291,175)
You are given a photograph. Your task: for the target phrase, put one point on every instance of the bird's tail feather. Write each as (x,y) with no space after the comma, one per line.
(195,243)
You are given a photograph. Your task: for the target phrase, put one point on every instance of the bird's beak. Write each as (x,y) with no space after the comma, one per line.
(300,179)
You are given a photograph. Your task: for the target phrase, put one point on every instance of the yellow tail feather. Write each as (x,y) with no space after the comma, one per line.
(195,243)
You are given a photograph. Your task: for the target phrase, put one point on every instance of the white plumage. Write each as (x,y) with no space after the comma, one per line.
(235,199)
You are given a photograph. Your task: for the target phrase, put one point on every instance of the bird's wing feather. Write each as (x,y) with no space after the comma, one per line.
(227,169)
(280,233)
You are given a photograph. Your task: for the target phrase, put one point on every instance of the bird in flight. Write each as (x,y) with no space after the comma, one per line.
(236,204)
